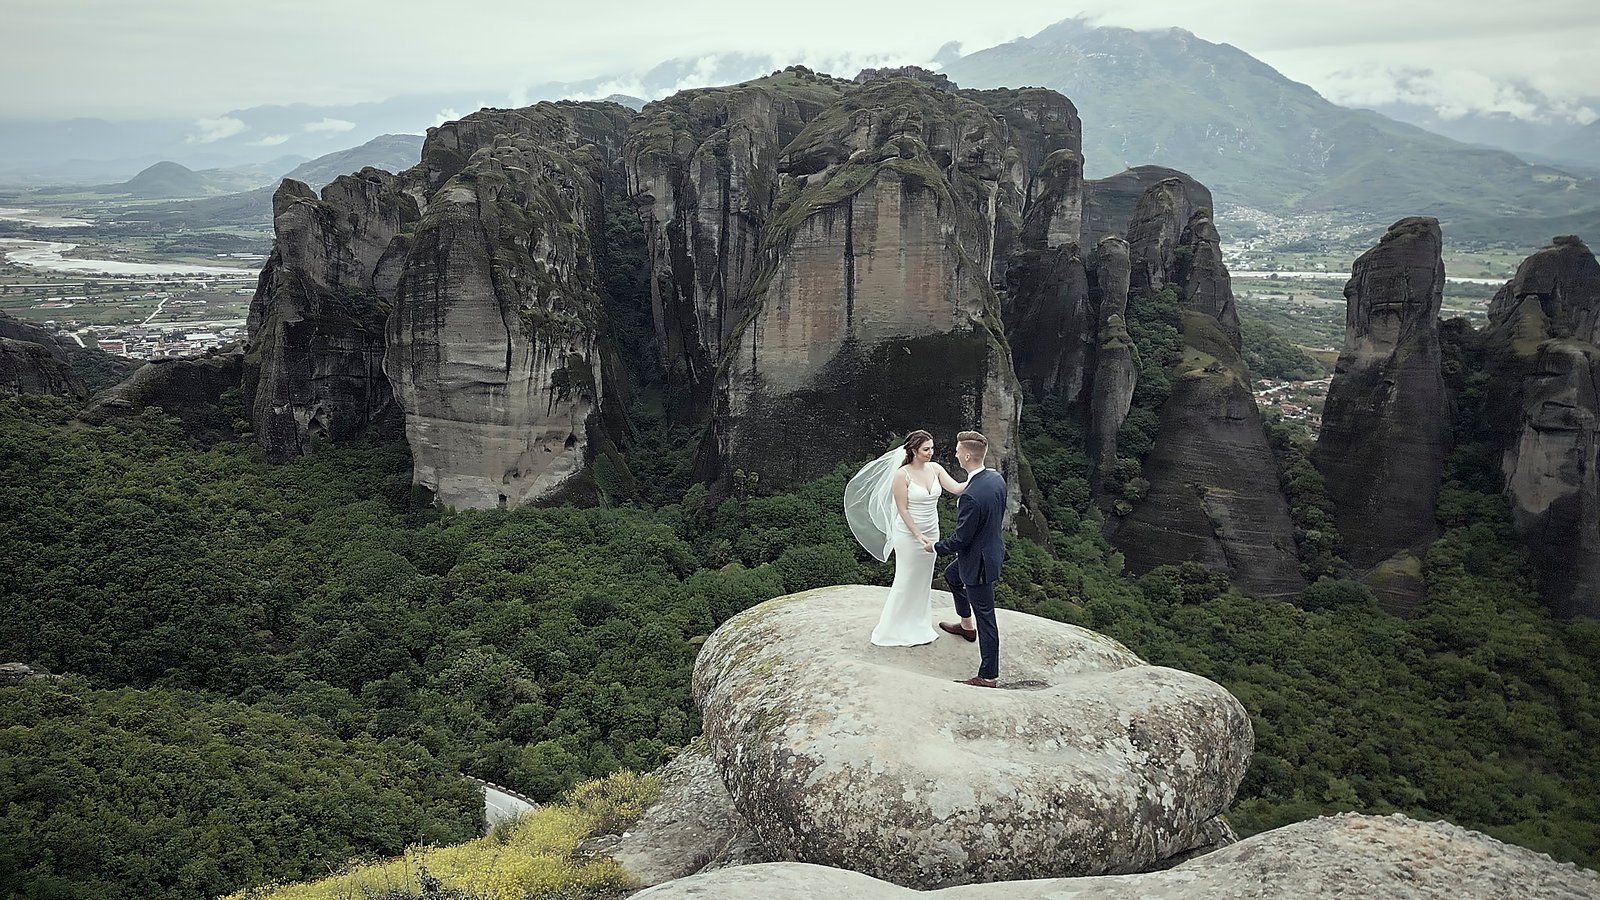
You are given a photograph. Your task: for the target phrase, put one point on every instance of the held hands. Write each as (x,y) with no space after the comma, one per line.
(927,545)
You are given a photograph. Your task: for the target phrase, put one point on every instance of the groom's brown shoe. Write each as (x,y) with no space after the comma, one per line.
(980,681)
(955,628)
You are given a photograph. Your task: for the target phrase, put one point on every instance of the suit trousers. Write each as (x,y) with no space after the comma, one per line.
(977,601)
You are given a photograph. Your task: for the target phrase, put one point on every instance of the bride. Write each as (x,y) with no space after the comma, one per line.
(892,506)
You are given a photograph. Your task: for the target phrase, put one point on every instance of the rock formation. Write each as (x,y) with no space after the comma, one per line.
(824,252)
(35,361)
(1050,321)
(1386,425)
(1213,494)
(316,343)
(493,346)
(1544,411)
(460,295)
(1109,203)
(1337,856)
(1116,369)
(1092,762)
(30,368)
(189,389)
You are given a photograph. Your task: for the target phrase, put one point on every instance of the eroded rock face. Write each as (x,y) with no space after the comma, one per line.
(1386,425)
(190,389)
(703,169)
(1109,203)
(30,368)
(1544,368)
(1050,321)
(36,361)
(846,754)
(873,304)
(316,344)
(493,346)
(1214,496)
(1337,856)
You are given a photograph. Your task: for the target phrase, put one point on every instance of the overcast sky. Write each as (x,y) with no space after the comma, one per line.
(197,58)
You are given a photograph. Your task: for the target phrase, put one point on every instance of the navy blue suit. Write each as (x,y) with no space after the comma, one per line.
(980,549)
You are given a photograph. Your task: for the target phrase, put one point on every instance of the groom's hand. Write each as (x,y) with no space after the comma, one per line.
(927,545)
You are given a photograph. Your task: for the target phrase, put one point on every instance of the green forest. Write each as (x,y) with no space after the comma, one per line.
(268,671)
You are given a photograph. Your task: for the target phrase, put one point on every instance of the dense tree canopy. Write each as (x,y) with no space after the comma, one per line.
(251,646)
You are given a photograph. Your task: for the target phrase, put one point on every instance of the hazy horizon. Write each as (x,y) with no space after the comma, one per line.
(106,60)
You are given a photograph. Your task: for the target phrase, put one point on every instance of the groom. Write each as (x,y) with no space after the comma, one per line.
(979,550)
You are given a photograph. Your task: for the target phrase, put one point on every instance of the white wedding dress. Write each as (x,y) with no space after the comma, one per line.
(907,618)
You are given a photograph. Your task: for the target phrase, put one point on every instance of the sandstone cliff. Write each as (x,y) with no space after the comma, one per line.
(1386,425)
(493,347)
(315,349)
(823,254)
(1544,414)
(1213,493)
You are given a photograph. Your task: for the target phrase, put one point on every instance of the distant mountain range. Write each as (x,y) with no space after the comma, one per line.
(1255,137)
(1258,139)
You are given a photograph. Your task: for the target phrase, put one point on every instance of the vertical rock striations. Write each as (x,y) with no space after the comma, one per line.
(314,363)
(1116,368)
(702,166)
(1213,492)
(1544,412)
(494,344)
(1386,425)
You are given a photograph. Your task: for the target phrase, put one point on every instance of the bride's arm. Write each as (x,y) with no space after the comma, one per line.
(949,484)
(902,505)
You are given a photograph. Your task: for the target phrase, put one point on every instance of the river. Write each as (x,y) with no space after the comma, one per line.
(51,256)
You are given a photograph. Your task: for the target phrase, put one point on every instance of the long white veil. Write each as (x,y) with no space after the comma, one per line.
(869,504)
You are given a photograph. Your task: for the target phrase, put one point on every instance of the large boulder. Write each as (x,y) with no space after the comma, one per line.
(1337,856)
(842,753)
(1386,425)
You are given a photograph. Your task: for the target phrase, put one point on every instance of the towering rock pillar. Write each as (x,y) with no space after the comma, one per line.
(1214,495)
(1544,405)
(314,362)
(1115,368)
(1386,426)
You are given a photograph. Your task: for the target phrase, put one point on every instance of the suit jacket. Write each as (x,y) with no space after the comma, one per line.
(978,543)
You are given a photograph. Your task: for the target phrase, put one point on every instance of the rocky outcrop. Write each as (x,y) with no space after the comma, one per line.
(1386,425)
(1202,278)
(36,361)
(494,343)
(190,389)
(30,368)
(1055,215)
(824,253)
(694,827)
(316,342)
(1155,231)
(1116,367)
(1050,321)
(1544,415)
(842,753)
(1109,203)
(1213,494)
(702,167)
(1337,856)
